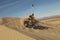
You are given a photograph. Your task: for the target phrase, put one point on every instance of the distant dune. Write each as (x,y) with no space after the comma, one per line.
(13,22)
(52,33)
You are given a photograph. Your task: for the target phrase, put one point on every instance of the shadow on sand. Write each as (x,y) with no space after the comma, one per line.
(40,27)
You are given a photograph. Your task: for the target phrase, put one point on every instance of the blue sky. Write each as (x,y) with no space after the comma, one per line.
(23,8)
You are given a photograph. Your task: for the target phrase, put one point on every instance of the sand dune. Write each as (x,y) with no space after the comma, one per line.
(52,33)
(10,34)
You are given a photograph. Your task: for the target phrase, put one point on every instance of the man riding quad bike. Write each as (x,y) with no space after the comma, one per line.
(30,22)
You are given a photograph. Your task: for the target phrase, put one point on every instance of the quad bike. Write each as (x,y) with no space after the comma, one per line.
(31,24)
(34,25)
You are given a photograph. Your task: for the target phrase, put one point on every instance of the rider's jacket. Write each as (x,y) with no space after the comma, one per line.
(27,19)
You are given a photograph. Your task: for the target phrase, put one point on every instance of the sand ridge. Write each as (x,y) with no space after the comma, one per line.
(52,33)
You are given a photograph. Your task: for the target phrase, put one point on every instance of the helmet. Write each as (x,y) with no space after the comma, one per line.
(32,14)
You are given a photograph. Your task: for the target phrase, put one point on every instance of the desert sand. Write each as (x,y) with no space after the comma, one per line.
(10,34)
(10,29)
